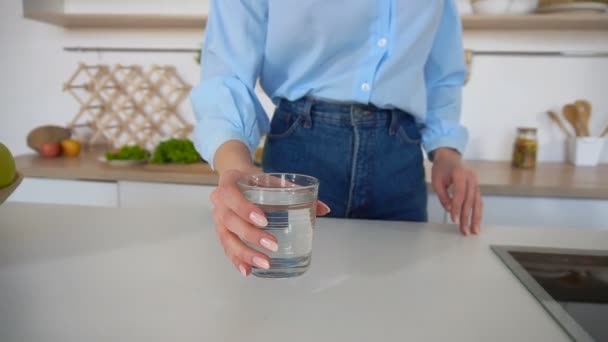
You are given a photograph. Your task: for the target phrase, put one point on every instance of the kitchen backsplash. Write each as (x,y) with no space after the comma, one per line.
(503,93)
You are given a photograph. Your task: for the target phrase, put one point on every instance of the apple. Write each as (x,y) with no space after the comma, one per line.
(50,150)
(70,147)
(7,167)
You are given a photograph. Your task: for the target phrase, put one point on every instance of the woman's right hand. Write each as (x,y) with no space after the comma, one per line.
(237,220)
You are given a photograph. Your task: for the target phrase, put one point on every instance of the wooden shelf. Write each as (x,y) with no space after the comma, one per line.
(536,22)
(470,22)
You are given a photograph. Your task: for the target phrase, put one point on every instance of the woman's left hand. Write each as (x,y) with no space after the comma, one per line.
(465,205)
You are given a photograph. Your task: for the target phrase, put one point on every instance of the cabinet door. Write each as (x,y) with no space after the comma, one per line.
(67,192)
(150,195)
(546,212)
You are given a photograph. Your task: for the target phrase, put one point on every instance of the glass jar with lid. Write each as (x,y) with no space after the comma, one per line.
(526,148)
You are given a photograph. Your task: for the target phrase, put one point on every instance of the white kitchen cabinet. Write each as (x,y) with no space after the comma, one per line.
(150,195)
(68,192)
(546,212)
(498,210)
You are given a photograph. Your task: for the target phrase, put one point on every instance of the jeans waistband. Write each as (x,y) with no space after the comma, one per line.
(344,113)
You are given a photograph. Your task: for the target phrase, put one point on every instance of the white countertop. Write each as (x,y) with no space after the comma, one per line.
(90,274)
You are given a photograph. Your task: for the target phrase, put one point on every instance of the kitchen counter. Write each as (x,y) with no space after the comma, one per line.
(88,167)
(92,274)
(496,178)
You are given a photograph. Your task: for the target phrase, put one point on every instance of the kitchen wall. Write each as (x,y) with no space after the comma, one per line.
(136,6)
(504,92)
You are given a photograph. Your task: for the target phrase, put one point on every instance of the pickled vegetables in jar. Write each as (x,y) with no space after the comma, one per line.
(526,148)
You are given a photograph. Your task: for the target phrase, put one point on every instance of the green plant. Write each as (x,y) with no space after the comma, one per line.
(199,53)
(128,152)
(179,151)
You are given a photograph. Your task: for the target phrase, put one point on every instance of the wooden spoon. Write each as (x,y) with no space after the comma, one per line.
(571,115)
(555,118)
(584,110)
(583,105)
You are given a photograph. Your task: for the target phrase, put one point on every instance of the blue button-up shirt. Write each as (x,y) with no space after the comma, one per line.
(404,54)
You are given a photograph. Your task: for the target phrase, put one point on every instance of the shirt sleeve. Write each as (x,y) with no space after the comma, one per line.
(225,105)
(445,73)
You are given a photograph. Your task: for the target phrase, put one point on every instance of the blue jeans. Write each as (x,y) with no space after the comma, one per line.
(369,161)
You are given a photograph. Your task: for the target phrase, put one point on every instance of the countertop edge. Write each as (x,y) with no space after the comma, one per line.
(212,180)
(496,178)
(126,176)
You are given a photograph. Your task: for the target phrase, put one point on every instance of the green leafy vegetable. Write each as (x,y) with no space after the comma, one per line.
(128,152)
(180,151)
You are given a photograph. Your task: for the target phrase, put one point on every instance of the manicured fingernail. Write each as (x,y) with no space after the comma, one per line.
(326,207)
(258,219)
(243,270)
(269,244)
(261,262)
(457,220)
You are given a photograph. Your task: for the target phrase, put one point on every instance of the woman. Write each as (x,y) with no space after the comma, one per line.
(360,86)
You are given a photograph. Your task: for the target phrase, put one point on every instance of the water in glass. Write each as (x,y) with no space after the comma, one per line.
(291,219)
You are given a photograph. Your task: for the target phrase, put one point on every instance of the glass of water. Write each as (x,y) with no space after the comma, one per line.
(289,202)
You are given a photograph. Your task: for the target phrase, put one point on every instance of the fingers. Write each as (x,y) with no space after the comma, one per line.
(244,268)
(441,189)
(244,230)
(237,220)
(469,201)
(232,198)
(460,188)
(241,255)
(466,203)
(322,209)
(477,213)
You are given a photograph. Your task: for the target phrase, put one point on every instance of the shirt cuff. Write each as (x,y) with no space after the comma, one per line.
(207,143)
(455,139)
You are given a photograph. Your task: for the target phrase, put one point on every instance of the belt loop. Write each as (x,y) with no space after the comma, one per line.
(392,130)
(306,113)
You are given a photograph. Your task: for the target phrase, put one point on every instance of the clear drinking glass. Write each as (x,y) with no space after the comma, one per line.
(289,202)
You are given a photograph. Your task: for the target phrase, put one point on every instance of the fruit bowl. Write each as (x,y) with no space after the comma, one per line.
(7,191)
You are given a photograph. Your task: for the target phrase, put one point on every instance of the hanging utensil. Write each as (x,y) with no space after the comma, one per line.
(571,114)
(555,118)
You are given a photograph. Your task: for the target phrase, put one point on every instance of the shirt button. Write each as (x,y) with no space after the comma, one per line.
(382,42)
(366,87)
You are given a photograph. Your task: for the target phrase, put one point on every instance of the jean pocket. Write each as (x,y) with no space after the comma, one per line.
(409,132)
(284,124)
